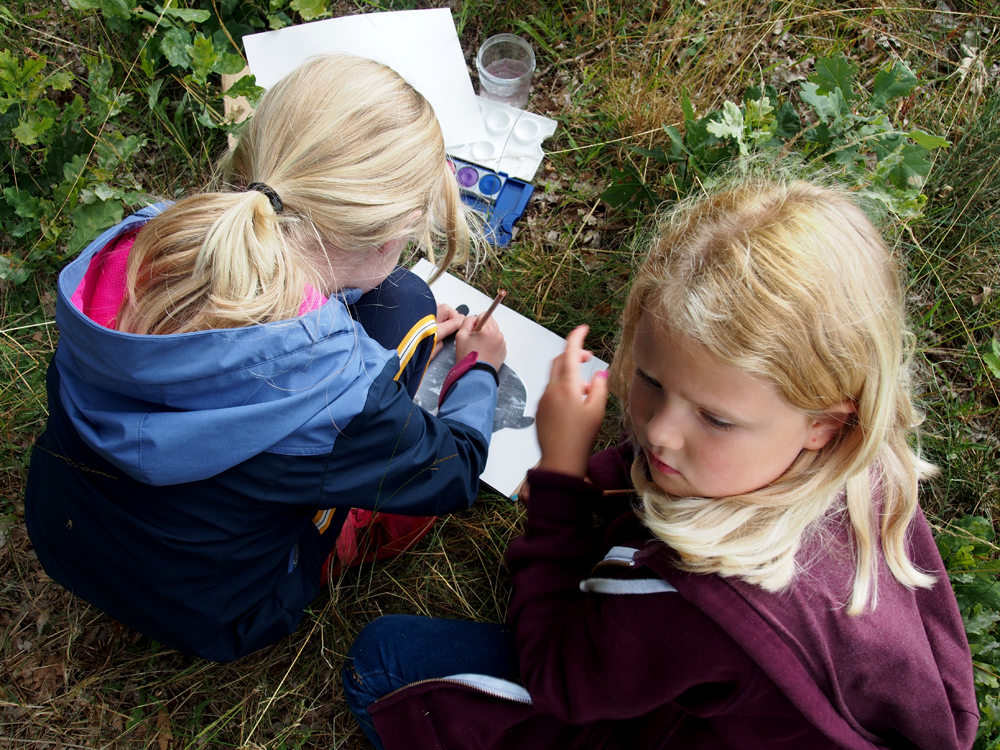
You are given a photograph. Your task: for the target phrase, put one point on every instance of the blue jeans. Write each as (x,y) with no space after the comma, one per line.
(397,650)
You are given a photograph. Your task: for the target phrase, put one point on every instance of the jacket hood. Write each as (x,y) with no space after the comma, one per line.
(185,407)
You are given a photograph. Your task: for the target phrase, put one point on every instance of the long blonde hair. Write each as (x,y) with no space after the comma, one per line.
(357,157)
(790,281)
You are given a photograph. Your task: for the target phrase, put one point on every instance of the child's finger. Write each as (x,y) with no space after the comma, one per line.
(574,342)
(597,392)
(569,360)
(446,328)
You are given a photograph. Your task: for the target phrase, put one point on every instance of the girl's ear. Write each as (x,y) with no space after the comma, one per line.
(393,246)
(398,244)
(823,430)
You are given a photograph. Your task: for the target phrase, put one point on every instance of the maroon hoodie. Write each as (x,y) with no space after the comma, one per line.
(620,649)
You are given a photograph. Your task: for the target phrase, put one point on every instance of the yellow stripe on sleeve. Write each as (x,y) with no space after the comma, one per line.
(421,330)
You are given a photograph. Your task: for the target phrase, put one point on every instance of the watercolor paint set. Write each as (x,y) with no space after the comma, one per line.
(500,198)
(493,174)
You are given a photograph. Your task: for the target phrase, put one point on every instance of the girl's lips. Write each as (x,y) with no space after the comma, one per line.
(660,466)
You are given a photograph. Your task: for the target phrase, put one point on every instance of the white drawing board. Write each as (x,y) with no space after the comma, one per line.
(530,350)
(420,45)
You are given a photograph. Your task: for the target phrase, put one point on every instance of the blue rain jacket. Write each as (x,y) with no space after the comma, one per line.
(177,480)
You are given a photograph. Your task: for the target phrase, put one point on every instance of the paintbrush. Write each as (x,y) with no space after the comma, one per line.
(481,320)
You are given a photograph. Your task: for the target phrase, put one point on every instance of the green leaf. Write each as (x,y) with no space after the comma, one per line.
(979,527)
(73,169)
(985,675)
(309,9)
(153,93)
(8,66)
(24,204)
(705,148)
(157,20)
(175,45)
(189,15)
(206,119)
(979,619)
(789,123)
(147,60)
(98,73)
(22,76)
(246,86)
(928,141)
(278,20)
(75,110)
(30,129)
(906,204)
(203,57)
(228,64)
(114,148)
(686,106)
(61,80)
(84,5)
(832,74)
(897,81)
(912,169)
(90,220)
(826,106)
(730,125)
(759,111)
(116,9)
(626,188)
(13,269)
(992,359)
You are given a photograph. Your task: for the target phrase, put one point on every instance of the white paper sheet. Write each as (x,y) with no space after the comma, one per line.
(530,351)
(420,45)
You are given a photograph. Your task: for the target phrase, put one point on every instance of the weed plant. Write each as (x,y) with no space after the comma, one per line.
(103,103)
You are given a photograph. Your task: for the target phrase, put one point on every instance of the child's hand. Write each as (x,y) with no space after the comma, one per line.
(449,320)
(567,424)
(488,341)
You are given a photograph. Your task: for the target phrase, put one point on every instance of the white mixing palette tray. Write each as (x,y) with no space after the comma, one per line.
(514,140)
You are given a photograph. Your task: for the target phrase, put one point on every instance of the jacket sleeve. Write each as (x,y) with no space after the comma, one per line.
(396,457)
(591,656)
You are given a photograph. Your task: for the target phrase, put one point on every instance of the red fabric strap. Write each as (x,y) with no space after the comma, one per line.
(456,372)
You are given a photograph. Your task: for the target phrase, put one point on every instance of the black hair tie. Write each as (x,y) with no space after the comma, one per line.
(272,196)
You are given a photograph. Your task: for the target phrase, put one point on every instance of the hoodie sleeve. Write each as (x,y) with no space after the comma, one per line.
(592,656)
(396,457)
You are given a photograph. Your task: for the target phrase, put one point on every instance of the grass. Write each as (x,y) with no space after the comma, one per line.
(611,74)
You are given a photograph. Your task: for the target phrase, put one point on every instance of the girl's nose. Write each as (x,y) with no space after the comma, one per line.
(664,428)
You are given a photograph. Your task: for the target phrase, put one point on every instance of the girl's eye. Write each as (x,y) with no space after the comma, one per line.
(716,423)
(646,379)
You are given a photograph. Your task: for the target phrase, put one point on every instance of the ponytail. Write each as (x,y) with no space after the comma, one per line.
(217,260)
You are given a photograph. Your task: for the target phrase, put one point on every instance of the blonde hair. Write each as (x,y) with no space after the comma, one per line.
(790,281)
(357,157)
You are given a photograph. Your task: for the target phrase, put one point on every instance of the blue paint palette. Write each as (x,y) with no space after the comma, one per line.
(500,198)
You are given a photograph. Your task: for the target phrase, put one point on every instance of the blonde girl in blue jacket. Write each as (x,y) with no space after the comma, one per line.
(235,371)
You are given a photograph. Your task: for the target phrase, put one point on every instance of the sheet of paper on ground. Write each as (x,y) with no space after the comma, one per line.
(530,351)
(420,45)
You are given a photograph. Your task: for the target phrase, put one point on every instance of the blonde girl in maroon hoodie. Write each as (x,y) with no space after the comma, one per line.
(774,583)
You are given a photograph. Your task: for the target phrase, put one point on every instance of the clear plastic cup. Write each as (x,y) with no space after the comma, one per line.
(506,63)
